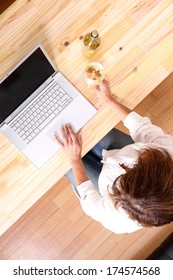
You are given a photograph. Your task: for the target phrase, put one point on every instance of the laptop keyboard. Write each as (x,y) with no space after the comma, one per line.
(44,109)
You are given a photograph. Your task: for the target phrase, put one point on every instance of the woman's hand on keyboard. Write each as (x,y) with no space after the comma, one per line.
(71,143)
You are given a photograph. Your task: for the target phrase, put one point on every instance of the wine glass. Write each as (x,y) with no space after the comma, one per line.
(93,74)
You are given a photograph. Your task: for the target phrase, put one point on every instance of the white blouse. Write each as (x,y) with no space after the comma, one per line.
(99,204)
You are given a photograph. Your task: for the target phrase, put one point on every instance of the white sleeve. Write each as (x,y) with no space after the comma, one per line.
(92,202)
(142,130)
(101,210)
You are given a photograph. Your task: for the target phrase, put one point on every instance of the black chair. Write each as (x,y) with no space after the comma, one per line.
(164,251)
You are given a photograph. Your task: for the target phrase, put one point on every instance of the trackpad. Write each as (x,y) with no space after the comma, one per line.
(56,129)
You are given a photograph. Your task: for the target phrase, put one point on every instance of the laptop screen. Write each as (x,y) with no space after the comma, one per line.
(23,81)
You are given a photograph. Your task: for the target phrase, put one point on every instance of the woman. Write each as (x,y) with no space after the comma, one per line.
(122,183)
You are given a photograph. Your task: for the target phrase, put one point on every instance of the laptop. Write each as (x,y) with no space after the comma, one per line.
(35,100)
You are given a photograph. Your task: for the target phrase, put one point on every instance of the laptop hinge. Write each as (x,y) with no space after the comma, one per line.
(2,124)
(54,73)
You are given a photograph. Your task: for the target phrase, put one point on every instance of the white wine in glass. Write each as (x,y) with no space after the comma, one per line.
(93,74)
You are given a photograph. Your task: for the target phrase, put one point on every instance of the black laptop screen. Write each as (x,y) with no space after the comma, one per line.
(23,81)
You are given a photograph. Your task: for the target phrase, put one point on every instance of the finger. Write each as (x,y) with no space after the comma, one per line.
(64,133)
(79,137)
(68,133)
(105,83)
(97,88)
(58,141)
(102,84)
(72,133)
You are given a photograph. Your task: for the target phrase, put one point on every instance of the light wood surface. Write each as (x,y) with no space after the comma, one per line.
(136,53)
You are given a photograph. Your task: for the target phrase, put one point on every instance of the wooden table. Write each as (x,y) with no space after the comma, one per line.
(136,52)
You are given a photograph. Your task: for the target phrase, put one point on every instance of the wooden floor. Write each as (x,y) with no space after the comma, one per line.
(56,227)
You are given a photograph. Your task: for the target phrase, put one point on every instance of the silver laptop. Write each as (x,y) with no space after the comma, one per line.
(35,100)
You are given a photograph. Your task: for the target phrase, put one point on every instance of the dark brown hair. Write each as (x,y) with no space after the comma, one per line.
(145,191)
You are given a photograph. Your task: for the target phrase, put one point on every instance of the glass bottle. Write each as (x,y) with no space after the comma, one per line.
(91,42)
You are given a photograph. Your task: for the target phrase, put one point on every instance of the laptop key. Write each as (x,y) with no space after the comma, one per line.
(46,121)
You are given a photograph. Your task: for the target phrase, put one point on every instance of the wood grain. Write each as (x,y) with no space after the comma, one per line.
(136,53)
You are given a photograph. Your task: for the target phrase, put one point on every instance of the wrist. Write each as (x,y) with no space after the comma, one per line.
(112,101)
(75,160)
